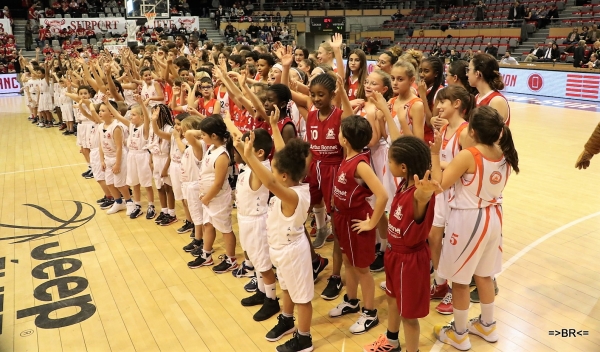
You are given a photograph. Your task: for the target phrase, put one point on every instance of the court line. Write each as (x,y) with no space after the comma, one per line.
(43,168)
(438,345)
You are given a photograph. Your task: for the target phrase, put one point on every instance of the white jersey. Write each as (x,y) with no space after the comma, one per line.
(136,140)
(175,152)
(299,121)
(34,87)
(207,172)
(190,165)
(79,117)
(148,91)
(451,146)
(483,188)
(283,230)
(128,96)
(63,98)
(157,145)
(107,138)
(95,136)
(248,201)
(97,99)
(45,89)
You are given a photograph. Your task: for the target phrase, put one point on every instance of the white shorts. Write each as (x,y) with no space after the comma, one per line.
(467,250)
(138,168)
(45,103)
(67,112)
(84,132)
(441,210)
(158,163)
(56,100)
(218,213)
(379,161)
(175,179)
(33,104)
(120,179)
(253,239)
(294,270)
(191,191)
(96,164)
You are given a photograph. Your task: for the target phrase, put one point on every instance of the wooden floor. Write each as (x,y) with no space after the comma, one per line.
(146,299)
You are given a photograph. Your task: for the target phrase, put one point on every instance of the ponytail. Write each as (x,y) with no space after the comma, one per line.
(496,83)
(508,148)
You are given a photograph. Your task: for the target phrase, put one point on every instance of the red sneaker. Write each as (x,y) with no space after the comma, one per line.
(445,306)
(438,291)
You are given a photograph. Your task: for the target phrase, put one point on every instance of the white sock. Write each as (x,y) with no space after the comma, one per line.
(460,320)
(172,212)
(271,291)
(164,210)
(303,333)
(287,315)
(383,245)
(320,217)
(487,313)
(260,283)
(438,279)
(137,203)
(248,263)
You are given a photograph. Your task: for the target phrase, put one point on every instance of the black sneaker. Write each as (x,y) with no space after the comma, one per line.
(334,286)
(89,175)
(256,299)
(160,218)
(285,325)
(107,204)
(102,200)
(203,260)
(318,266)
(89,171)
(226,264)
(377,264)
(34,120)
(296,344)
(137,212)
(193,233)
(187,226)
(168,220)
(151,212)
(243,271)
(193,245)
(269,308)
(252,285)
(196,252)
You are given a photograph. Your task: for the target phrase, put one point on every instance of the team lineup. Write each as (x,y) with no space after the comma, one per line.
(403,169)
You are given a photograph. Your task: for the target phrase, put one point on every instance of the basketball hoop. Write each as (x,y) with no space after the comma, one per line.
(150,16)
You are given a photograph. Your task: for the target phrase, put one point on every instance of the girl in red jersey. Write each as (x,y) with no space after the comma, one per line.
(484,74)
(354,182)
(356,74)
(431,73)
(207,104)
(407,256)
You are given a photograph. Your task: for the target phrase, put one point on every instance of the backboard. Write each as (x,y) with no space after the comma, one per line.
(135,9)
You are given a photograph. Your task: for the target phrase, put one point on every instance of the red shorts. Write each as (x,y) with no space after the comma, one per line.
(407,279)
(358,247)
(320,181)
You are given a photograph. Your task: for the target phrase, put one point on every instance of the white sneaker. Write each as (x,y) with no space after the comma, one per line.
(130,207)
(448,335)
(116,207)
(364,323)
(383,286)
(486,332)
(41,124)
(344,308)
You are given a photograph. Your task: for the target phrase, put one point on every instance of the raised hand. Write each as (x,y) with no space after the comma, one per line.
(378,100)
(436,145)
(138,98)
(336,41)
(427,185)
(287,56)
(422,89)
(274,118)
(249,145)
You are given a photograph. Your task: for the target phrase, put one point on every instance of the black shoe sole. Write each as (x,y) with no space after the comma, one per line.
(186,230)
(150,217)
(135,217)
(168,223)
(273,339)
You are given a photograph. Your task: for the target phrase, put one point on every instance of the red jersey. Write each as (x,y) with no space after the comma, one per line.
(352,88)
(348,193)
(44,33)
(281,124)
(323,136)
(242,119)
(206,108)
(47,51)
(80,31)
(90,33)
(403,231)
(485,101)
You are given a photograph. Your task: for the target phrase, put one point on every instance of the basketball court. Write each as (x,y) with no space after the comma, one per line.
(75,279)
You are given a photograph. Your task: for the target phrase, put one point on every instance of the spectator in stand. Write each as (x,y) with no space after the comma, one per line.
(80,32)
(44,35)
(32,13)
(594,62)
(492,50)
(535,54)
(508,60)
(28,35)
(239,12)
(551,54)
(480,11)
(56,7)
(593,35)
(542,21)
(74,8)
(584,32)
(289,18)
(249,9)
(90,34)
(180,42)
(579,54)
(218,14)
(397,16)
(468,56)
(65,7)
(552,14)
(49,13)
(516,12)
(203,35)
(454,22)
(436,50)
(453,55)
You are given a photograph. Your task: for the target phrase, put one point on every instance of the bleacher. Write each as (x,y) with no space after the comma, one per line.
(460,44)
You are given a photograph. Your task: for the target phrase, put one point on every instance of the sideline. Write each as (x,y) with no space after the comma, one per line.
(43,168)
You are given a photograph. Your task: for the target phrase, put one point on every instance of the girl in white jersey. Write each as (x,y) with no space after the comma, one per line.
(288,246)
(484,74)
(85,126)
(152,92)
(454,105)
(215,193)
(138,158)
(473,246)
(66,106)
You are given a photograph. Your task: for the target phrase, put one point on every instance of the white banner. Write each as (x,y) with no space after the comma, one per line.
(5,24)
(555,84)
(9,83)
(108,24)
(188,22)
(115,48)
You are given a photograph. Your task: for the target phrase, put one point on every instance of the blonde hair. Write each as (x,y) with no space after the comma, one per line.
(327,47)
(413,56)
(137,108)
(191,123)
(408,67)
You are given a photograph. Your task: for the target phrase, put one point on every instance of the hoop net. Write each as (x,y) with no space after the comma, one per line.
(150,16)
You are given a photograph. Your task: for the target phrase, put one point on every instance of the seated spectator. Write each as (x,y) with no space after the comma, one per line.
(468,55)
(436,50)
(593,35)
(535,54)
(584,32)
(80,32)
(397,16)
(174,10)
(594,62)
(49,13)
(249,9)
(542,14)
(579,54)
(454,22)
(551,54)
(229,30)
(453,55)
(203,35)
(492,50)
(56,7)
(289,18)
(508,60)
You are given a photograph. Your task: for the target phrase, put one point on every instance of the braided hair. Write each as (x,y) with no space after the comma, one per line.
(326,80)
(164,116)
(284,96)
(412,152)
